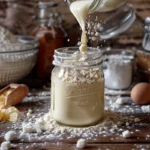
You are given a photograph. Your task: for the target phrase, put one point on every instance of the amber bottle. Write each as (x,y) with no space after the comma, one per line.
(50,38)
(46,49)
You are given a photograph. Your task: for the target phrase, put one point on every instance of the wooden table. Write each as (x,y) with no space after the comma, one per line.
(39,102)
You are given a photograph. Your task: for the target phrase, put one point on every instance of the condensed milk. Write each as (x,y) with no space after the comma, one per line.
(81,8)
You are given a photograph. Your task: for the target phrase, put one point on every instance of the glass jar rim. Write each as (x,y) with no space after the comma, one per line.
(125,54)
(71,57)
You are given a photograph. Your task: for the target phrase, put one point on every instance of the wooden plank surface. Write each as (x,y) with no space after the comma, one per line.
(40,102)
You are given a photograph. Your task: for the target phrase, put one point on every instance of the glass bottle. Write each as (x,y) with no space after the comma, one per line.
(46,38)
(60,33)
(77,97)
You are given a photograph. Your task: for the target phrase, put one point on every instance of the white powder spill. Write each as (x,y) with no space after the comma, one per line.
(116,121)
(81,143)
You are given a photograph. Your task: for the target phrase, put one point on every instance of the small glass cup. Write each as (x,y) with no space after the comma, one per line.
(77,84)
(118,68)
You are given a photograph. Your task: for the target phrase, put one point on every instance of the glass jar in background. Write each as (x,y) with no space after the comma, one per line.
(77,87)
(118,68)
(102,27)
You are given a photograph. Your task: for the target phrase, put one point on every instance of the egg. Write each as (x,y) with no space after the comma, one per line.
(140,93)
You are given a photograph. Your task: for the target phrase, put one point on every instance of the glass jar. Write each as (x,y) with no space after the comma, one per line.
(102,5)
(117,23)
(118,68)
(46,37)
(77,84)
(146,40)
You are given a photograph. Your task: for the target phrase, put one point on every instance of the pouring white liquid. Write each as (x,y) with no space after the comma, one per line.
(80,9)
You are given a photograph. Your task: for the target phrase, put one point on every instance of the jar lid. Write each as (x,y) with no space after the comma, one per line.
(117,23)
(71,57)
(117,54)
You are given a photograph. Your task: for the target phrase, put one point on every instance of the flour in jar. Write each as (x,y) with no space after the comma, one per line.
(80,95)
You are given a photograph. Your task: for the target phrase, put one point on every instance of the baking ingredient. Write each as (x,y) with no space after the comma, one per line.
(146,109)
(81,143)
(29,113)
(140,93)
(126,134)
(117,72)
(28,128)
(10,114)
(6,36)
(81,93)
(9,42)
(120,101)
(137,120)
(10,135)
(80,9)
(112,123)
(5,145)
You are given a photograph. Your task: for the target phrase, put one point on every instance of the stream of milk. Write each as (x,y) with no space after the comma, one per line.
(80,9)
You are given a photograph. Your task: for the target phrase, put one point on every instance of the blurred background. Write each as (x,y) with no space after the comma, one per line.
(18,15)
(21,18)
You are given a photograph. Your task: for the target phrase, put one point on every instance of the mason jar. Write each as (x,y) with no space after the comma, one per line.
(77,84)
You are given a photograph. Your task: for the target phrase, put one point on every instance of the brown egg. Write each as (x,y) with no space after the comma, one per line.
(140,94)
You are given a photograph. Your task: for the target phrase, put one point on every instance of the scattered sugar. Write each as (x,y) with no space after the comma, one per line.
(10,136)
(146,108)
(107,126)
(81,143)
(5,145)
(126,134)
(120,101)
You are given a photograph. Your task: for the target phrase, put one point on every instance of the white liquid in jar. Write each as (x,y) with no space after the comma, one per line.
(80,9)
